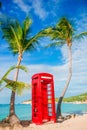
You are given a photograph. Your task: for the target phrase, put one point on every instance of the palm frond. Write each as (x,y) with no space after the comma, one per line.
(65,28)
(19,86)
(34,40)
(26,27)
(55,44)
(15,36)
(22,68)
(45,32)
(12,68)
(30,43)
(18,30)
(81,35)
(9,34)
(26,24)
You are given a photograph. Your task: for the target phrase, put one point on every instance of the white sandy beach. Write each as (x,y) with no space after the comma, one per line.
(77,123)
(76,102)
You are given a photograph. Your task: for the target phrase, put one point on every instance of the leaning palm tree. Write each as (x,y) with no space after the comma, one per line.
(62,33)
(19,40)
(65,35)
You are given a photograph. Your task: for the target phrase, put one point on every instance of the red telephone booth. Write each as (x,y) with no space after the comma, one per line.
(43,100)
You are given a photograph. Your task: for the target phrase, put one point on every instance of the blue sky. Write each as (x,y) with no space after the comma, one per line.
(46,13)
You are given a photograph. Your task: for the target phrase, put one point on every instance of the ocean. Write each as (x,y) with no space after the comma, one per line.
(23,111)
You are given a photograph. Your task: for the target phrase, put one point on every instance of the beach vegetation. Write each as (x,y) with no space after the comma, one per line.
(79,98)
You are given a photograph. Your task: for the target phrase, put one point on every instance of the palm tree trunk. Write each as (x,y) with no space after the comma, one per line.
(12,100)
(67,84)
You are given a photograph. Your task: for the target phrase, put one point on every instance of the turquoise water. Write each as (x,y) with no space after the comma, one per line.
(23,111)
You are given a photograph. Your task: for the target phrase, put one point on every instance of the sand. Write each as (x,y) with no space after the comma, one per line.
(76,102)
(74,123)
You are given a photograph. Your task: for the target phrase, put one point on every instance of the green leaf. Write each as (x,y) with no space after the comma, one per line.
(55,44)
(81,35)
(16,86)
(18,30)
(27,22)
(23,68)
(12,68)
(15,36)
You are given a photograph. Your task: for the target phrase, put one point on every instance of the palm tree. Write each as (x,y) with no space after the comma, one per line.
(63,33)
(19,40)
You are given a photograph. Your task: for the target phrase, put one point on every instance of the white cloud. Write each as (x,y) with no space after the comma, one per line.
(81,24)
(39,10)
(23,6)
(36,6)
